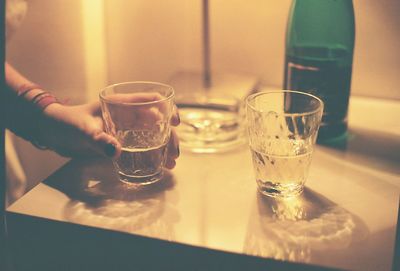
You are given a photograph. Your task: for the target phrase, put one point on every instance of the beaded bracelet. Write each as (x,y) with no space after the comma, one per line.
(46,100)
(26,88)
(41,100)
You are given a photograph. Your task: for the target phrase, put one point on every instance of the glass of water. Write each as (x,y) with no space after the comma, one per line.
(138,114)
(282,129)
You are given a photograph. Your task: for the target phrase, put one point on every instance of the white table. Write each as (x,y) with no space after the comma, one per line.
(346,218)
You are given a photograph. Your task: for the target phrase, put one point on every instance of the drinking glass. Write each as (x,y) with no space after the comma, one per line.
(138,115)
(282,129)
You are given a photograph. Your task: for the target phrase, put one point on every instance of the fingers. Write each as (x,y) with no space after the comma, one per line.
(173,150)
(142,116)
(173,145)
(106,145)
(175,120)
(170,164)
(139,97)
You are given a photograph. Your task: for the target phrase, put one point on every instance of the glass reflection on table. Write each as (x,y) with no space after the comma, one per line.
(99,199)
(299,228)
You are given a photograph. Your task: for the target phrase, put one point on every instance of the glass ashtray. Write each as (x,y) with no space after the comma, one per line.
(210,122)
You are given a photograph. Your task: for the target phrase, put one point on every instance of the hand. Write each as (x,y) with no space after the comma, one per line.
(119,116)
(77,131)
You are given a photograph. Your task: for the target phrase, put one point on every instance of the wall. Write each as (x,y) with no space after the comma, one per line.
(377,54)
(246,37)
(152,40)
(47,47)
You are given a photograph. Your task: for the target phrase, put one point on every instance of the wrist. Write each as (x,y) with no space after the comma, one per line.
(53,108)
(46,120)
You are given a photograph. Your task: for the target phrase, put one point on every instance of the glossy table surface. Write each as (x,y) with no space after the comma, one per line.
(346,218)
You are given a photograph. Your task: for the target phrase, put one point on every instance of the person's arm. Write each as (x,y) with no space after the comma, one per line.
(22,116)
(69,130)
(36,115)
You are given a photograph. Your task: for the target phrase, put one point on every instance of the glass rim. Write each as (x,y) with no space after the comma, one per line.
(320,107)
(170,96)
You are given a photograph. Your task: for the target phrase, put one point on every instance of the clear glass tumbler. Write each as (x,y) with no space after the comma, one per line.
(138,114)
(282,129)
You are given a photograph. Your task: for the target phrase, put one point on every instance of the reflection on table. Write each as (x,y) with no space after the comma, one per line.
(99,199)
(298,228)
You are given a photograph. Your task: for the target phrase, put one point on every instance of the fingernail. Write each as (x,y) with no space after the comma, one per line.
(109,150)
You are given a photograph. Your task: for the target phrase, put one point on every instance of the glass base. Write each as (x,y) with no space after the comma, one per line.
(140,180)
(278,190)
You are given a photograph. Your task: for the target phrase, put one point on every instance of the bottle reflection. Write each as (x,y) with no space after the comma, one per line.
(298,228)
(368,148)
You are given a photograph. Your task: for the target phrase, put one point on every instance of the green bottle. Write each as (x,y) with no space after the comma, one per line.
(319,56)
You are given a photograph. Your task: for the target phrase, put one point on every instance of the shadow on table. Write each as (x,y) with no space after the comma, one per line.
(305,229)
(377,150)
(98,198)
